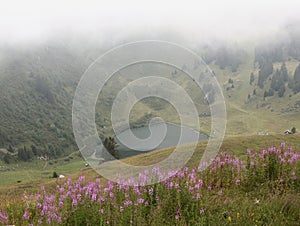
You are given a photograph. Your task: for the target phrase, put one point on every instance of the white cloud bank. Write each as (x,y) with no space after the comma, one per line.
(31,19)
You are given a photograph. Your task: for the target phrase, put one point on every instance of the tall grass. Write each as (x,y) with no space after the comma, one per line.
(263,190)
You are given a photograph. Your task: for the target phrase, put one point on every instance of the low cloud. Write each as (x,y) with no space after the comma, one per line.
(232,19)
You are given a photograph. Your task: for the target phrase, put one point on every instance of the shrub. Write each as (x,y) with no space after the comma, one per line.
(54,175)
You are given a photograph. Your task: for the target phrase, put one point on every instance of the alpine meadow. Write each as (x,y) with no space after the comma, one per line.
(161,113)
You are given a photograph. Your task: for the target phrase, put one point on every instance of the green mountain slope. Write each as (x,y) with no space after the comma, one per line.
(38,82)
(36,92)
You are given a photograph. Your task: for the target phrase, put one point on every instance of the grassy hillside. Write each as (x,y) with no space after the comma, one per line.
(225,195)
(38,82)
(29,173)
(36,89)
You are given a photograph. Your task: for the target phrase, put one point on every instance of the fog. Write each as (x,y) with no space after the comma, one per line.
(33,21)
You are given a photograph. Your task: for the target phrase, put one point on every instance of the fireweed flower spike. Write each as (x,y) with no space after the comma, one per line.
(107,198)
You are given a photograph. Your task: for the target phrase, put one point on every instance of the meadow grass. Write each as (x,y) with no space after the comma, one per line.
(28,172)
(241,186)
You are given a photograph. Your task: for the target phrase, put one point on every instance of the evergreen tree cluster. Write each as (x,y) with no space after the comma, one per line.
(110,145)
(268,53)
(269,93)
(25,154)
(265,71)
(279,79)
(224,57)
(43,88)
(296,84)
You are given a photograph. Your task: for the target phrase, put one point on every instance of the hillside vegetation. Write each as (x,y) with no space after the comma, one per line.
(253,187)
(38,82)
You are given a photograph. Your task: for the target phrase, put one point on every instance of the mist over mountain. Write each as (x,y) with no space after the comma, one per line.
(41,62)
(149,112)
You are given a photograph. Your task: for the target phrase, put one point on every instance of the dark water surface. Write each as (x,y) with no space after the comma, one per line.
(170,139)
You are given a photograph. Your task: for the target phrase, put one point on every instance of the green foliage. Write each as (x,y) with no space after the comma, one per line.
(8,158)
(10,149)
(277,81)
(284,73)
(224,57)
(34,150)
(265,71)
(25,154)
(271,168)
(271,52)
(293,130)
(54,175)
(296,87)
(269,93)
(37,86)
(43,87)
(281,91)
(36,89)
(264,192)
(4,139)
(297,74)
(110,145)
